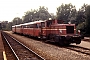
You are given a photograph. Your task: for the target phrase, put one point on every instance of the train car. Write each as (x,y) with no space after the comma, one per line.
(23,29)
(32,28)
(14,29)
(51,30)
(18,29)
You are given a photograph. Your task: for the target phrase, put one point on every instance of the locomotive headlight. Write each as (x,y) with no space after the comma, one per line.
(79,31)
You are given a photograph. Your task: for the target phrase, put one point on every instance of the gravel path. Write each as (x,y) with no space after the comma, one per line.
(50,52)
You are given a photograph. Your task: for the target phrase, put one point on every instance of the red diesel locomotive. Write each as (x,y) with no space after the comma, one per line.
(51,30)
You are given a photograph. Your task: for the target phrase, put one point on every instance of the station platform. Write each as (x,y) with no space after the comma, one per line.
(2,51)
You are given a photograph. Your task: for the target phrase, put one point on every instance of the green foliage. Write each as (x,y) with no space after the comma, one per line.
(88,20)
(66,12)
(0,26)
(43,13)
(6,25)
(88,15)
(16,21)
(35,15)
(81,16)
(82,28)
(85,16)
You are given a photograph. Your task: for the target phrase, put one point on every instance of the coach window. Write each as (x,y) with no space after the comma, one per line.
(18,26)
(39,25)
(24,26)
(43,24)
(35,26)
(31,26)
(49,23)
(21,26)
(28,26)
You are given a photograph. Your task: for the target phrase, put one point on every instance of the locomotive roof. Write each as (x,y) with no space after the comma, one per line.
(32,22)
(63,25)
(17,25)
(13,26)
(28,23)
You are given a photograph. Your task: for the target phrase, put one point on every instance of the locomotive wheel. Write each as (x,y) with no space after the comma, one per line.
(59,40)
(61,43)
(67,44)
(78,41)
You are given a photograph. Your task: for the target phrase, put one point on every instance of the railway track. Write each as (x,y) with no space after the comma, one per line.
(79,49)
(75,48)
(21,51)
(87,40)
(8,51)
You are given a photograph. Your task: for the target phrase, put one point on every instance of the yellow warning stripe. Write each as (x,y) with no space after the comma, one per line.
(4,55)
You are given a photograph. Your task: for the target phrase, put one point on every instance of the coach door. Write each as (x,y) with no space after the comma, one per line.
(43,31)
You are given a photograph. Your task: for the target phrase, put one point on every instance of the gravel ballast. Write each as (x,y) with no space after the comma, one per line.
(50,52)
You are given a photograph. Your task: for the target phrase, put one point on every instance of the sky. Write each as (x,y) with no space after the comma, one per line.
(9,9)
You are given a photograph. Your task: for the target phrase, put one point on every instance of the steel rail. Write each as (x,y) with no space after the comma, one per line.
(11,48)
(77,49)
(26,48)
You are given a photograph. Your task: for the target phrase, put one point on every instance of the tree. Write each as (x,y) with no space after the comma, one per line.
(29,15)
(43,13)
(85,26)
(35,15)
(53,16)
(81,16)
(65,12)
(88,20)
(0,26)
(9,26)
(16,21)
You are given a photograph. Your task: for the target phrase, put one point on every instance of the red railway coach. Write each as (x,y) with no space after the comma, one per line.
(13,29)
(52,30)
(32,28)
(18,29)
